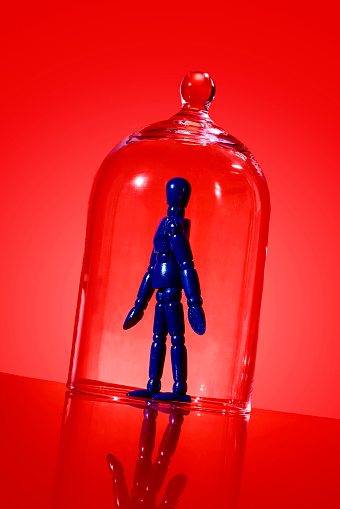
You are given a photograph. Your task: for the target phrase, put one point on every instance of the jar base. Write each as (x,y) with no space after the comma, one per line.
(118,393)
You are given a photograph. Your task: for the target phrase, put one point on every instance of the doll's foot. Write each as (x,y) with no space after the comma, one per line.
(140,393)
(153,388)
(171,396)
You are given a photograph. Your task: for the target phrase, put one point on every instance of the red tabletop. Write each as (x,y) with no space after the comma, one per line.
(63,450)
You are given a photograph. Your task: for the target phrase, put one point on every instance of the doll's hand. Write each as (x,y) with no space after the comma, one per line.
(196,315)
(135,315)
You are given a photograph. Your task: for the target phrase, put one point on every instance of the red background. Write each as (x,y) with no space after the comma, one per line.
(79,76)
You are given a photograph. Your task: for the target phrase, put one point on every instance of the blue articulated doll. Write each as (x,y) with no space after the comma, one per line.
(171,269)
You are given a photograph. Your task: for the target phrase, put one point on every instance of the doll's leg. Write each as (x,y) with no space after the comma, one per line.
(157,354)
(175,320)
(175,323)
(158,348)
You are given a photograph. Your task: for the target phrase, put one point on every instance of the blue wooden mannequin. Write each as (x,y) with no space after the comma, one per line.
(171,269)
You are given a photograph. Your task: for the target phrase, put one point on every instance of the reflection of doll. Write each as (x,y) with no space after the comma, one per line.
(171,269)
(149,478)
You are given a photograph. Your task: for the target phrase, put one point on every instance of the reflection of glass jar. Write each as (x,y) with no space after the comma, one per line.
(134,456)
(229,212)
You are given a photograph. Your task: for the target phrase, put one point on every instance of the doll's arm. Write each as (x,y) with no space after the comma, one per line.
(144,295)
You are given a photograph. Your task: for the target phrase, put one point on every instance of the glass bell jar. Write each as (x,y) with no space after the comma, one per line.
(172,276)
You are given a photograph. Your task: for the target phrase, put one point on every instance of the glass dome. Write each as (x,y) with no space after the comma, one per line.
(228,209)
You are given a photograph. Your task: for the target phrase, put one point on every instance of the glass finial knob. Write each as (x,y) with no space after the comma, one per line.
(197,91)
